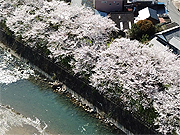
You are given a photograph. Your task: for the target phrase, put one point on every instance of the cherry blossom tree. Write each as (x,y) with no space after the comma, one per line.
(140,76)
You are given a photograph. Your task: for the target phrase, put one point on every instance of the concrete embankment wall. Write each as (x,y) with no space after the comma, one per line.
(115,110)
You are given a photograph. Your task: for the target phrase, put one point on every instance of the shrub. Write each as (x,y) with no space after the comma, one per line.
(142,29)
(146,27)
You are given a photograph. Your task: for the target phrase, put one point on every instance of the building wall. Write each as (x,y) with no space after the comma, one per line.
(123,20)
(101,5)
(109,5)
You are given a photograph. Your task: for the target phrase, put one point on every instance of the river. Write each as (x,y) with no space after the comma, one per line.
(28,105)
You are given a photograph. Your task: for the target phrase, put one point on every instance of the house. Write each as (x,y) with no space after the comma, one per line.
(101,5)
(175,41)
(109,5)
(149,14)
(140,4)
(160,8)
(164,18)
(123,20)
(169,37)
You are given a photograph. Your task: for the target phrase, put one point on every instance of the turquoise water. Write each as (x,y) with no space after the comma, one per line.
(56,111)
(34,99)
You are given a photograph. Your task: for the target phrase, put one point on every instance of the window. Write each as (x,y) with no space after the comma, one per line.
(103,1)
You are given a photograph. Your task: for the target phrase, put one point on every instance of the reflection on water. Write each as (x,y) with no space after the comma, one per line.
(44,110)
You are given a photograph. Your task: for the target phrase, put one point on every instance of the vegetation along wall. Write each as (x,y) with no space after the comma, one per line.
(131,122)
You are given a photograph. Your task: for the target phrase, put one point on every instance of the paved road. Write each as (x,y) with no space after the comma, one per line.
(172,11)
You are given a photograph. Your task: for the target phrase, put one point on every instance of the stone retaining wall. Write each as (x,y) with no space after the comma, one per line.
(115,110)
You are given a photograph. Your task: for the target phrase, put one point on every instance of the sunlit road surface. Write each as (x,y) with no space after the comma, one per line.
(172,11)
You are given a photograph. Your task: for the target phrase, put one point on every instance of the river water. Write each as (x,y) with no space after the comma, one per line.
(28,105)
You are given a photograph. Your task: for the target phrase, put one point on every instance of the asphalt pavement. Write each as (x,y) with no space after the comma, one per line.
(172,11)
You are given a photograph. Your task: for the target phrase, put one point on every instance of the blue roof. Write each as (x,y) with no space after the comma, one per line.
(160,3)
(160,9)
(104,14)
(153,13)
